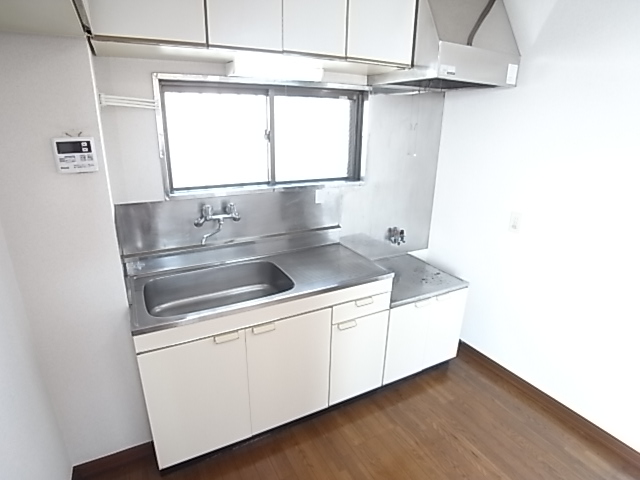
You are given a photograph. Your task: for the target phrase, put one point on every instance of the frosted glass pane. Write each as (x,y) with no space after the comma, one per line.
(312,138)
(216,138)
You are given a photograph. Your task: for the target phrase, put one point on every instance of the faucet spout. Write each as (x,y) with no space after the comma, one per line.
(206,236)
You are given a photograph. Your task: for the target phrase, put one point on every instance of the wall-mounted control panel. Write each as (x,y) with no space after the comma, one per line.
(75,154)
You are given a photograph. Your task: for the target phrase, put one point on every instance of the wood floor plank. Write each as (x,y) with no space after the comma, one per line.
(458,421)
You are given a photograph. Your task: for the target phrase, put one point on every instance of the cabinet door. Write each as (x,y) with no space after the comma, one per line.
(288,369)
(316,27)
(381,30)
(245,23)
(170,20)
(408,330)
(444,325)
(357,356)
(197,396)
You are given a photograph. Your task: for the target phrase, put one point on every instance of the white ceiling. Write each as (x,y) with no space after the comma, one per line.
(45,17)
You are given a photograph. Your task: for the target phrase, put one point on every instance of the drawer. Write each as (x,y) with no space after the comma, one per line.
(361,307)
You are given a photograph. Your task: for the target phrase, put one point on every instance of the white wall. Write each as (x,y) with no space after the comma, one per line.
(130,134)
(528,19)
(61,237)
(31,446)
(555,303)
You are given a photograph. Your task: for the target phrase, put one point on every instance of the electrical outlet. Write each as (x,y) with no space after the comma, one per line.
(514,222)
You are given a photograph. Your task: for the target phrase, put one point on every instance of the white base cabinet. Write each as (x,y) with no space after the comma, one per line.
(197,396)
(423,334)
(213,383)
(406,340)
(443,333)
(357,356)
(288,363)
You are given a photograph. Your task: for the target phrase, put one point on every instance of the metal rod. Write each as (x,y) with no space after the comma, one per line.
(272,138)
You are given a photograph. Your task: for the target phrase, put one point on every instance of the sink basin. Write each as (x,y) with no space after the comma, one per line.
(191,292)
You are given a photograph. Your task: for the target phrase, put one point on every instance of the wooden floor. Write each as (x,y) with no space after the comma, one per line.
(458,421)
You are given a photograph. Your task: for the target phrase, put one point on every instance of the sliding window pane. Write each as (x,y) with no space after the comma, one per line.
(312,138)
(216,138)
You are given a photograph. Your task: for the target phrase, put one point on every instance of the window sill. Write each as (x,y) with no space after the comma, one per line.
(253,189)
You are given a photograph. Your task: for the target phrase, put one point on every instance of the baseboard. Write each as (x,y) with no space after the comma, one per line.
(555,408)
(101,465)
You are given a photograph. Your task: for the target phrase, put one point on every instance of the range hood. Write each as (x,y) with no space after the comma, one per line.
(458,44)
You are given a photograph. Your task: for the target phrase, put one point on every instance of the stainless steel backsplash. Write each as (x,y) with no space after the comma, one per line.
(147,228)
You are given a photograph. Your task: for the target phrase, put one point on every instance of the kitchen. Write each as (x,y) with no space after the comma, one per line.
(557,150)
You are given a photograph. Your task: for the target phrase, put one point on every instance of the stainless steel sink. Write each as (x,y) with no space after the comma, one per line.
(190,292)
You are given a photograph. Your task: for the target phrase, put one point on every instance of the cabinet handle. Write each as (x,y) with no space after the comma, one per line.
(363,302)
(424,303)
(347,325)
(226,337)
(267,327)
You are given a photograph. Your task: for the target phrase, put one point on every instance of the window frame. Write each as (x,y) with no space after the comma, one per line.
(358,94)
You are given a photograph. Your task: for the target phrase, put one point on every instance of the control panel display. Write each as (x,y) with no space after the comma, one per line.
(75,154)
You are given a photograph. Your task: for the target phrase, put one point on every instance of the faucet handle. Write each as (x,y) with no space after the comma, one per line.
(207,211)
(230,209)
(205,214)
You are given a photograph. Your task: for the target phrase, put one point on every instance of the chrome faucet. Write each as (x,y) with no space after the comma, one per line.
(207,215)
(396,236)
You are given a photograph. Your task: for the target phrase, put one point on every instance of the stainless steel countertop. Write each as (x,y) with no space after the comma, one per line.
(314,270)
(417,280)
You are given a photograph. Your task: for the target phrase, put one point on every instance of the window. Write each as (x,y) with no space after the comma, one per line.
(221,134)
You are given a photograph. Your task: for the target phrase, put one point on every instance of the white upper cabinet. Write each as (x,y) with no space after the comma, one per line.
(315,27)
(166,20)
(245,23)
(376,31)
(381,30)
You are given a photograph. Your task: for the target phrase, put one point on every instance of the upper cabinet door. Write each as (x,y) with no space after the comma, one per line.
(381,30)
(310,26)
(245,23)
(166,20)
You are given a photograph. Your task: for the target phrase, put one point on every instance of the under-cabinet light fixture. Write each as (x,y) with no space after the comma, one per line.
(274,67)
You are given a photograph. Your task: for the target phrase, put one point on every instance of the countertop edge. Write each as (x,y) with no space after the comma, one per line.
(136,331)
(417,298)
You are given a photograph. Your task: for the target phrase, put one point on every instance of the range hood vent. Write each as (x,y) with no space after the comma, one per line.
(458,44)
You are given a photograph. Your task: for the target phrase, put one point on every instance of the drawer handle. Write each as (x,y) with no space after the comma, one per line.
(267,327)
(424,303)
(347,325)
(226,337)
(363,302)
